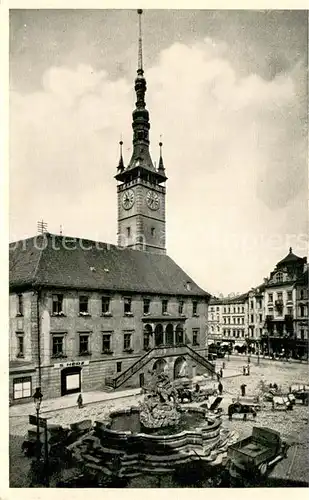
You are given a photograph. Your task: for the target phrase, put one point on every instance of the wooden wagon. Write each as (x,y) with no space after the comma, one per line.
(251,458)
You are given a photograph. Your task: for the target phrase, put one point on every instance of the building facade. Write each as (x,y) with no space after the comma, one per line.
(286,308)
(228,320)
(85,315)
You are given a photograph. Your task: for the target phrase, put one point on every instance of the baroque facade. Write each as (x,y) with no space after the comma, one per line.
(271,318)
(85,315)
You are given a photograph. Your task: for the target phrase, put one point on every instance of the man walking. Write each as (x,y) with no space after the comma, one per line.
(243,389)
(220,388)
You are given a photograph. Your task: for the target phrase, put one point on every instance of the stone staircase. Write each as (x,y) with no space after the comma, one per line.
(154,353)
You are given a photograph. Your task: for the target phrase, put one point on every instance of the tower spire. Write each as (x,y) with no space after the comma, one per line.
(120,167)
(140,70)
(161,168)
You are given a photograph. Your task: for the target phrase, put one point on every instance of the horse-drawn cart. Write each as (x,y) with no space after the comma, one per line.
(252,458)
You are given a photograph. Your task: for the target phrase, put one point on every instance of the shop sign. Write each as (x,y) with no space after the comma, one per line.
(71,363)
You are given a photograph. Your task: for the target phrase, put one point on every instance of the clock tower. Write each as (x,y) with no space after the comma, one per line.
(141,186)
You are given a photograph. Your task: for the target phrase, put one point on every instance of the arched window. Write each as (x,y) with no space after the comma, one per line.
(158,335)
(147,336)
(169,334)
(179,334)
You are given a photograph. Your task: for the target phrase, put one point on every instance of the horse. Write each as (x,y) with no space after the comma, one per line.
(240,409)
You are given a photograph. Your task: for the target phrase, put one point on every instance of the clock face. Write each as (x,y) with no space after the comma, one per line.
(153,200)
(128,199)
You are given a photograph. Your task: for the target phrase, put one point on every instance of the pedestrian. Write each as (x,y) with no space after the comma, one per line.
(220,388)
(248,370)
(218,376)
(223,365)
(249,359)
(244,370)
(197,388)
(221,372)
(275,387)
(80,401)
(243,389)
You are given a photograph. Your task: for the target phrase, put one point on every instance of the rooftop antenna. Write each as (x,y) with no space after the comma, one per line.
(42,227)
(60,229)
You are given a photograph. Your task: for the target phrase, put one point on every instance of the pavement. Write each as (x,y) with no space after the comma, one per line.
(69,401)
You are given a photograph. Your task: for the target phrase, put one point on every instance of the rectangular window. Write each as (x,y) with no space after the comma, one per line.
(301,294)
(260,317)
(146,306)
(106,343)
(251,304)
(224,309)
(127,305)
(20,305)
(196,336)
(84,344)
(57,304)
(180,307)
(58,346)
(164,306)
(105,301)
(302,334)
(118,367)
(22,388)
(83,304)
(127,342)
(128,232)
(243,320)
(279,296)
(290,311)
(289,295)
(194,308)
(20,345)
(251,318)
(270,297)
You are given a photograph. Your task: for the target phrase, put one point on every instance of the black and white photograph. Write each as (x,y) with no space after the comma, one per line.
(157,247)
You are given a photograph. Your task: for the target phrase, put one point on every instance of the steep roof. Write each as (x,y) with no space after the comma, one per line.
(60,261)
(290,258)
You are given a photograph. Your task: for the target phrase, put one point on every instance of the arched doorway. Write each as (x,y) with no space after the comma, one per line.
(158,334)
(169,334)
(179,335)
(180,367)
(70,380)
(160,365)
(147,336)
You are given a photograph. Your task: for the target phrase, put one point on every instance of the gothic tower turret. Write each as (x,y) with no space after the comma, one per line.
(141,187)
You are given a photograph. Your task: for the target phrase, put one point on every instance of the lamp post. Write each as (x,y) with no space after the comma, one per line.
(37,398)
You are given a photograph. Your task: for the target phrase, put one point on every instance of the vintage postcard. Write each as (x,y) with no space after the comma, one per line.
(158,246)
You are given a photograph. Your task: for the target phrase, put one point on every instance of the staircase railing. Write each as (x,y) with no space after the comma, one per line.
(118,380)
(201,359)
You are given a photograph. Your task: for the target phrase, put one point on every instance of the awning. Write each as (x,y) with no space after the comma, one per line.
(239,344)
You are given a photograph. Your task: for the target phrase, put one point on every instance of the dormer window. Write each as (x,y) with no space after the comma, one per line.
(164,306)
(188,285)
(279,277)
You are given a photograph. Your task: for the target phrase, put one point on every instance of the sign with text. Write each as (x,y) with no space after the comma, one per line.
(33,420)
(71,363)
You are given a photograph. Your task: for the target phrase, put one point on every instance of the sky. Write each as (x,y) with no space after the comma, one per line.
(226,92)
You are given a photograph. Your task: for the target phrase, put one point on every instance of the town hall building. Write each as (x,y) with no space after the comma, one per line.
(87,315)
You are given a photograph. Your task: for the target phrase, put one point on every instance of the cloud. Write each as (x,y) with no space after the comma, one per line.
(234,150)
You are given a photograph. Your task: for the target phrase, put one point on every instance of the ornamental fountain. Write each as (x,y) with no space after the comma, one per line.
(156,437)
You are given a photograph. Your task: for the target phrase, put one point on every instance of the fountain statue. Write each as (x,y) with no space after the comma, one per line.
(160,406)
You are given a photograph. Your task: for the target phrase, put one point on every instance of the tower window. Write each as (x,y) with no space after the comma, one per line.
(128,232)
(153,231)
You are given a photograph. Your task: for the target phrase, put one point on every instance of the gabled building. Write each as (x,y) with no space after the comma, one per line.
(283,303)
(85,315)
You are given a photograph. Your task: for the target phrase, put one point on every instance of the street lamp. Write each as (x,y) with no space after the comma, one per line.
(37,398)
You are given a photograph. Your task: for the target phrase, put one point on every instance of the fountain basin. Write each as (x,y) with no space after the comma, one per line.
(121,444)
